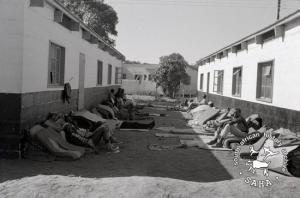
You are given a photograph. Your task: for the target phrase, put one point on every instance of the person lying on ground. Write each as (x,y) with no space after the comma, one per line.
(54,142)
(86,137)
(236,126)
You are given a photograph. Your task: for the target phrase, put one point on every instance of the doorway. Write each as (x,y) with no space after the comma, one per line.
(81,81)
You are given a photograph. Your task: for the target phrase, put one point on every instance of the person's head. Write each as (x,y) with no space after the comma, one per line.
(210,103)
(234,112)
(204,96)
(112,91)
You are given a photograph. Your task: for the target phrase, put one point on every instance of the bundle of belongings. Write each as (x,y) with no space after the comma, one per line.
(70,136)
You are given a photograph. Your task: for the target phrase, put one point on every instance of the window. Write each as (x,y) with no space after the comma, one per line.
(109,73)
(136,77)
(123,76)
(237,81)
(218,81)
(118,76)
(56,66)
(265,81)
(99,72)
(201,81)
(150,78)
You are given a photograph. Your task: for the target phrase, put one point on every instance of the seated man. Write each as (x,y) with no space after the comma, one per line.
(236,125)
(204,100)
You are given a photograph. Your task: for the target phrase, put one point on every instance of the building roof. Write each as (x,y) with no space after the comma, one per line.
(146,65)
(57,4)
(280,22)
(192,67)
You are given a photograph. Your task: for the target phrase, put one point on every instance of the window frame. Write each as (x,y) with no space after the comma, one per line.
(98,72)
(62,66)
(260,65)
(241,82)
(215,84)
(118,75)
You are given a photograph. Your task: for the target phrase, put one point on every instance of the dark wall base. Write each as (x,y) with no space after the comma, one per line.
(10,113)
(22,111)
(276,117)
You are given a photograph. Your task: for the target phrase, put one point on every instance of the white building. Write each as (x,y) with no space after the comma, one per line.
(259,74)
(138,79)
(42,47)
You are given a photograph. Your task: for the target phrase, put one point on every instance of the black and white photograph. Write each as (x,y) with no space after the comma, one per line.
(149,98)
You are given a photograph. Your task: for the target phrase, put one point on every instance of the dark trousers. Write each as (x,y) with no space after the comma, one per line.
(135,125)
(100,132)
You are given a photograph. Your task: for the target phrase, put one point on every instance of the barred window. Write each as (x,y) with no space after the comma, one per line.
(237,81)
(56,66)
(118,76)
(218,81)
(265,81)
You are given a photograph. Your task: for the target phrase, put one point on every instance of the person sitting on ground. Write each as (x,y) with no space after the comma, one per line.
(118,99)
(111,96)
(203,101)
(236,125)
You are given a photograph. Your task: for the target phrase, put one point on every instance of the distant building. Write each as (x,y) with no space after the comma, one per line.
(259,74)
(43,46)
(138,79)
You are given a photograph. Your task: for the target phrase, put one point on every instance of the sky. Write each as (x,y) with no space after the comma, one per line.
(149,29)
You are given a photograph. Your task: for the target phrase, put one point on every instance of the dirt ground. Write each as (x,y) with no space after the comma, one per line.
(135,159)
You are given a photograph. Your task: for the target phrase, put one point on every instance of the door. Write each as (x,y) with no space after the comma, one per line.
(81,81)
(207,85)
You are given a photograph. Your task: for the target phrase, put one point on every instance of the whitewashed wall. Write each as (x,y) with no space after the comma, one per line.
(286,56)
(39,30)
(11,45)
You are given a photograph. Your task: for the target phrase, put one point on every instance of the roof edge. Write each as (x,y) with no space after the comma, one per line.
(58,4)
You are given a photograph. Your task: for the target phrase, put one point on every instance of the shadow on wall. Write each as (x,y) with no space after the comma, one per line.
(275,117)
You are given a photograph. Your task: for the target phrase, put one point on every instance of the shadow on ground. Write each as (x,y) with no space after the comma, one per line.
(135,159)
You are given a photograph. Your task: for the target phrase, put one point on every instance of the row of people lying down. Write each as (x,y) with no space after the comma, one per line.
(70,135)
(188,105)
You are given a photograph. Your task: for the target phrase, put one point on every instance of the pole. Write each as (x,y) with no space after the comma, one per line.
(278,9)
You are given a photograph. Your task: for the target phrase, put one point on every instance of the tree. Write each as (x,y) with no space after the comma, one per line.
(97,15)
(171,73)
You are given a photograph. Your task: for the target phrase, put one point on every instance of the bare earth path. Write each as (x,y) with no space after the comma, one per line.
(135,159)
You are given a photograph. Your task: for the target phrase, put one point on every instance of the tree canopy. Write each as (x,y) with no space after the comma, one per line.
(171,73)
(96,14)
